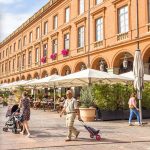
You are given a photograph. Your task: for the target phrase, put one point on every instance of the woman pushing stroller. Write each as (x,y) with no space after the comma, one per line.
(25,111)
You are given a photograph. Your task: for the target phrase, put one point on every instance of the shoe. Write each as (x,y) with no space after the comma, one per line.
(77,135)
(29,135)
(139,124)
(67,140)
(22,133)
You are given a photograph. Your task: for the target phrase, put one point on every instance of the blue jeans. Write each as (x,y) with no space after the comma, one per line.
(132,112)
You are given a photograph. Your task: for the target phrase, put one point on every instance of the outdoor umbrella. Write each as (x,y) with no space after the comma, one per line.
(45,82)
(138,71)
(131,75)
(86,77)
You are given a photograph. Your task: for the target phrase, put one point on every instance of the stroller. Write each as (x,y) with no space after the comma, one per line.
(93,132)
(14,121)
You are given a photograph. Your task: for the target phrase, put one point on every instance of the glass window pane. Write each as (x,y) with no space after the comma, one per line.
(123,19)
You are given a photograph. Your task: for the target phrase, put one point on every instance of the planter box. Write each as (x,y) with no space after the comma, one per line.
(122,114)
(112,115)
(146,114)
(87,114)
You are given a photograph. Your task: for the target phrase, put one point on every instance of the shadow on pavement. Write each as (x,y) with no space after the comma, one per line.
(103,141)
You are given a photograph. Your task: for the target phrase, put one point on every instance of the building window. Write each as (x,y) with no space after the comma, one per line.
(2,68)
(36,55)
(99,29)
(14,47)
(148,11)
(19,44)
(123,21)
(81,6)
(98,1)
(3,54)
(81,37)
(24,40)
(13,63)
(23,60)
(9,65)
(10,49)
(0,56)
(55,22)
(30,58)
(55,46)
(67,15)
(30,37)
(45,28)
(5,67)
(18,62)
(45,46)
(67,41)
(6,51)
(37,33)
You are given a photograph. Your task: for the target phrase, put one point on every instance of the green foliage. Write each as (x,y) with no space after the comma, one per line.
(86,97)
(146,96)
(111,97)
(40,95)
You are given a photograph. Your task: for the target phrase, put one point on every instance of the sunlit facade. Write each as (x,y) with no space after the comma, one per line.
(66,36)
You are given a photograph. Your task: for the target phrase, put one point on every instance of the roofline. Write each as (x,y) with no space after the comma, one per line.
(39,13)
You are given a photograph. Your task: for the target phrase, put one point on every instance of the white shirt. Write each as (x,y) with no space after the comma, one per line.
(70,105)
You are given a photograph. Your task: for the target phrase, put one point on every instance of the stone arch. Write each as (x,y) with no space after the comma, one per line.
(8,80)
(36,75)
(5,81)
(17,79)
(118,59)
(54,71)
(22,77)
(44,74)
(13,80)
(146,59)
(1,82)
(29,77)
(65,70)
(100,63)
(80,66)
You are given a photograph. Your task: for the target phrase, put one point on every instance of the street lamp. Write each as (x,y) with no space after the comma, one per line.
(125,61)
(67,71)
(102,65)
(82,67)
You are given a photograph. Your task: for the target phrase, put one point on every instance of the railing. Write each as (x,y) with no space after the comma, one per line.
(98,44)
(148,27)
(80,49)
(122,36)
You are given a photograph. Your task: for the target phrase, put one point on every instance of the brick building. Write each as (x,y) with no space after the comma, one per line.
(66,36)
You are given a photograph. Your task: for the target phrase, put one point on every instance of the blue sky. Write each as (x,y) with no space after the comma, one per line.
(15,12)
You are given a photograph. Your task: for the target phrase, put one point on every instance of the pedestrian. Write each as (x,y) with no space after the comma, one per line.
(133,109)
(25,105)
(71,109)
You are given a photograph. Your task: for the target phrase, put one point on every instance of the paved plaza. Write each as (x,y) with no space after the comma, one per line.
(49,132)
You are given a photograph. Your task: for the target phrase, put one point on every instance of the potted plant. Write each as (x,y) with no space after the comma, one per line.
(53,56)
(43,59)
(5,99)
(65,52)
(112,100)
(87,111)
(18,93)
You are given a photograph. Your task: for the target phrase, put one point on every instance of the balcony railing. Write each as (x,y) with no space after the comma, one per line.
(98,44)
(80,49)
(148,27)
(122,36)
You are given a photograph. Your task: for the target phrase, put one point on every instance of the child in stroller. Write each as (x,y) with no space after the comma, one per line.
(14,121)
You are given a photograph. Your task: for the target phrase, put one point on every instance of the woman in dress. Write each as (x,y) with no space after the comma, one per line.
(25,105)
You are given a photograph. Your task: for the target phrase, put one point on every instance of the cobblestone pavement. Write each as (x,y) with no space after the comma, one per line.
(49,132)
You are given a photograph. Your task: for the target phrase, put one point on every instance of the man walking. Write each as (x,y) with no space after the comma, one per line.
(71,109)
